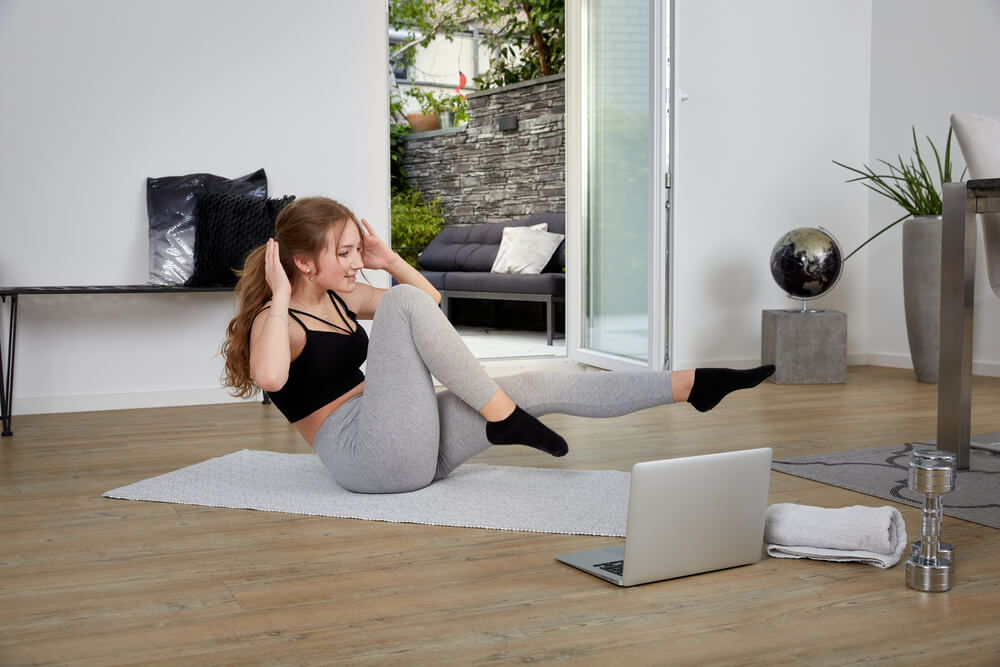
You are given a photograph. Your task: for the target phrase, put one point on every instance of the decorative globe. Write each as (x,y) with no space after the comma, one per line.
(806,262)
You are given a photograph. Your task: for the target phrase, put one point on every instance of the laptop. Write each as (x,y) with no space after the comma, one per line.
(687,516)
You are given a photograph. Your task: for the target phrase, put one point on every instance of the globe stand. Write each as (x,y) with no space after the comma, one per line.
(806,346)
(804,309)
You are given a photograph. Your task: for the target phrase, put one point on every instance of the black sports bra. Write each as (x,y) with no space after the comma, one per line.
(327,368)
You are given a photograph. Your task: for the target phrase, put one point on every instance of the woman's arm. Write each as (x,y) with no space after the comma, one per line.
(378,255)
(407,275)
(270,345)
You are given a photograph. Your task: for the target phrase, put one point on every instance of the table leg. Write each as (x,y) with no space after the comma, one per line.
(958,264)
(7,378)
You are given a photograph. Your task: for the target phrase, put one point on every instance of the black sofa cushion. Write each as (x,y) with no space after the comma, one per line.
(474,247)
(516,283)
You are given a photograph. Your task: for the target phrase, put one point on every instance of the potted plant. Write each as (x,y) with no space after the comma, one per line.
(428,118)
(454,110)
(910,185)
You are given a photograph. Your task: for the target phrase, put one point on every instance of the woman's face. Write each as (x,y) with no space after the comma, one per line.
(340,261)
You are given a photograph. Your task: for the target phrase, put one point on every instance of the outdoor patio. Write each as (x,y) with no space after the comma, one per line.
(495,344)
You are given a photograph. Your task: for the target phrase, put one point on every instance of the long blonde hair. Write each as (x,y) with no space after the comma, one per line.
(300,231)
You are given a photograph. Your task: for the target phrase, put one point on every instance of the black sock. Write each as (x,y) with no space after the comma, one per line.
(520,428)
(712,384)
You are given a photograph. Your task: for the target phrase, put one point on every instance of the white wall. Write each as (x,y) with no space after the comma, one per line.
(929,59)
(776,89)
(97,96)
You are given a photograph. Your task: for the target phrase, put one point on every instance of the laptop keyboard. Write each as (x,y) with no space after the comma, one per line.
(614,566)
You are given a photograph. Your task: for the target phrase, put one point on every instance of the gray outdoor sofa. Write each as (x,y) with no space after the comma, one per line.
(459,259)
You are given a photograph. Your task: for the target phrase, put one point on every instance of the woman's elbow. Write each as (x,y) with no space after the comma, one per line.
(270,381)
(435,296)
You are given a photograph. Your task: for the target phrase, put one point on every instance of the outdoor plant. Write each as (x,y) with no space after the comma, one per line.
(397,152)
(458,105)
(398,129)
(909,184)
(414,223)
(429,102)
(526,44)
(527,40)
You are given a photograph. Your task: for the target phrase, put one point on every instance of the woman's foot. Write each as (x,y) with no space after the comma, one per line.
(520,428)
(712,384)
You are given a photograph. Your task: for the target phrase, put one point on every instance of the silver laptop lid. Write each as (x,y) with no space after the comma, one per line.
(696,514)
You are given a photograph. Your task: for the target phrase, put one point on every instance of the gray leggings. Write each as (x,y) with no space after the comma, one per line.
(401,434)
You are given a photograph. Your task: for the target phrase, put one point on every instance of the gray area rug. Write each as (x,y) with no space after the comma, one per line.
(884,472)
(579,502)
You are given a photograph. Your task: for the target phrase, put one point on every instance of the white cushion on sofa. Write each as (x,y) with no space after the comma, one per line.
(500,264)
(530,251)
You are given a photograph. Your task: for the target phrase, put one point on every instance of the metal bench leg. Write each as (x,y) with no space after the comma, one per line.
(7,378)
(550,319)
(958,264)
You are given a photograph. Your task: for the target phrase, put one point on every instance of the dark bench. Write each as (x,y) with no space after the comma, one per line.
(10,295)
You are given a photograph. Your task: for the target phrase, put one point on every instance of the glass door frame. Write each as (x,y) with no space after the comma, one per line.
(660,230)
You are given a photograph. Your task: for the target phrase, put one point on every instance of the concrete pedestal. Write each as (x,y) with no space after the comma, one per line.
(806,347)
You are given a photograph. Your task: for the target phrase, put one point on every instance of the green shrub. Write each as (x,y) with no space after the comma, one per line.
(397,153)
(414,223)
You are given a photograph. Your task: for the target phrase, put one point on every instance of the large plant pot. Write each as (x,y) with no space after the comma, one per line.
(922,293)
(423,122)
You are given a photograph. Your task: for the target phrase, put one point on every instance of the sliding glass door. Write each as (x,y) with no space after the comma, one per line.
(618,140)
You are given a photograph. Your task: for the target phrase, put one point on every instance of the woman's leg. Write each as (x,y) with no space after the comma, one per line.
(597,394)
(391,443)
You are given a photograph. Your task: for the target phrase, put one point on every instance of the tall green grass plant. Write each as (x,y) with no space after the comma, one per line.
(909,184)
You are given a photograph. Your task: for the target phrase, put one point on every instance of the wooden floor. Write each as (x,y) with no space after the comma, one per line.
(86,580)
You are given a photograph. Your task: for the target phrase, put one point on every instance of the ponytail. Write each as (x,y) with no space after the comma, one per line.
(252,292)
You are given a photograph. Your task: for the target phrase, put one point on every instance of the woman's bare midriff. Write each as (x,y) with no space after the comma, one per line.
(307,426)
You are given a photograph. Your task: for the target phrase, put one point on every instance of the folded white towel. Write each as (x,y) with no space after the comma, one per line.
(872,535)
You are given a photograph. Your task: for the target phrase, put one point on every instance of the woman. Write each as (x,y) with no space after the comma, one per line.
(296,336)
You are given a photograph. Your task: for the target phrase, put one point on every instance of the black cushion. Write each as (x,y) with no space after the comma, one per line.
(229,227)
(171,207)
(475,247)
(516,283)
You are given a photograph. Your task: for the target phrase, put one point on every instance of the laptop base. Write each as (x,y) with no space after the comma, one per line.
(588,561)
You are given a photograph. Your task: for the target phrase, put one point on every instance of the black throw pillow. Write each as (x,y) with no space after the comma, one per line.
(229,227)
(170,205)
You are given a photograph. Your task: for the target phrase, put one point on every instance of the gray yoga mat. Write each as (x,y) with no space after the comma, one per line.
(581,502)
(884,472)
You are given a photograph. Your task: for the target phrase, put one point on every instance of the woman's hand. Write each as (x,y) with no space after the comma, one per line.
(275,274)
(377,255)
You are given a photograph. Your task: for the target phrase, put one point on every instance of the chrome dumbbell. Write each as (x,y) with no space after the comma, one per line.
(929,567)
(944,549)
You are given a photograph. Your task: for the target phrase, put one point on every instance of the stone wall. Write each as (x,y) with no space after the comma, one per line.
(483,173)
